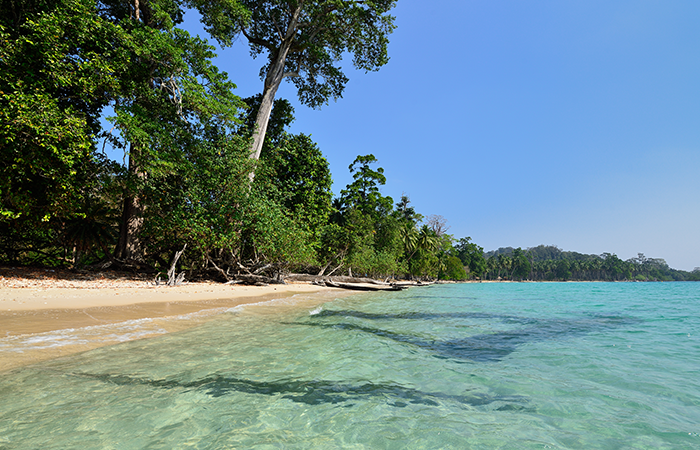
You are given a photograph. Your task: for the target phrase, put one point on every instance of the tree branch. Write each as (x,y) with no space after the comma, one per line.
(258,41)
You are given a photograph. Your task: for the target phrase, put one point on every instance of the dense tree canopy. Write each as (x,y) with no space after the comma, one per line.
(56,72)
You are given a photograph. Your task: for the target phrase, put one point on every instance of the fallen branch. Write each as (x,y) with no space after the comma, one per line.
(219,269)
(341,279)
(258,280)
(364,287)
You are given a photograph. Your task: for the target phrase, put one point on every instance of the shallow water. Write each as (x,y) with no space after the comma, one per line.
(521,366)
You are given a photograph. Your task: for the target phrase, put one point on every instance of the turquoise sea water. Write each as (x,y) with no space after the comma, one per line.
(471,366)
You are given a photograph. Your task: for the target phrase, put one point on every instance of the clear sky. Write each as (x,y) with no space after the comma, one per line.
(573,123)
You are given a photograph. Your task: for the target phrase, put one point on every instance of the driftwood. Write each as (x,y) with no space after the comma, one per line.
(336,279)
(174,279)
(364,287)
(258,280)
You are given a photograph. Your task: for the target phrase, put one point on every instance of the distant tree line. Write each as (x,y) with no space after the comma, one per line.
(549,263)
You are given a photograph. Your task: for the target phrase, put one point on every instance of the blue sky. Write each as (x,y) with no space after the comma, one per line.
(573,123)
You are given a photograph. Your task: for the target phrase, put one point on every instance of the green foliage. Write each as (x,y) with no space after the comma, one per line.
(565,266)
(372,241)
(520,265)
(363,193)
(472,256)
(406,213)
(55,71)
(281,117)
(170,94)
(309,38)
(59,64)
(208,204)
(302,178)
(454,270)
(171,99)
(296,167)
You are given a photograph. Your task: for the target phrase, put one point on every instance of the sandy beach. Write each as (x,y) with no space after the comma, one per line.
(35,306)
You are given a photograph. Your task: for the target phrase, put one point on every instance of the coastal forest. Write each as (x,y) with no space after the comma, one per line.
(215,186)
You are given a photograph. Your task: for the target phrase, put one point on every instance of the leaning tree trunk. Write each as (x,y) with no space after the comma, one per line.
(130,246)
(263,118)
(273,79)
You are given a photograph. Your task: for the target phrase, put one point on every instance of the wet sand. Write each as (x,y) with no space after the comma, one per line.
(32,310)
(39,323)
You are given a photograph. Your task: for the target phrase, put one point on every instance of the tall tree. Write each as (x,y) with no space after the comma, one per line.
(304,41)
(298,169)
(58,68)
(169,91)
(302,177)
(407,213)
(363,193)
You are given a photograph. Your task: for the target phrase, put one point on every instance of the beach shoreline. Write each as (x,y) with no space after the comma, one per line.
(33,309)
(51,312)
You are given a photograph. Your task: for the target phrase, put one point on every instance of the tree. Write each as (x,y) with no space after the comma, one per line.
(364,232)
(281,117)
(167,97)
(297,168)
(56,74)
(407,213)
(521,265)
(363,193)
(454,270)
(229,226)
(437,224)
(60,64)
(614,267)
(304,40)
(472,256)
(423,261)
(302,177)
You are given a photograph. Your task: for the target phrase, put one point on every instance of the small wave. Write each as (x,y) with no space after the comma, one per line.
(316,311)
(117,332)
(284,301)
(114,332)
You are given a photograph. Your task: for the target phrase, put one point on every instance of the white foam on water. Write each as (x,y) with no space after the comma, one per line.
(114,332)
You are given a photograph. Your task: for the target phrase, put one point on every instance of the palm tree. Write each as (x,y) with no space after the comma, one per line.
(427,240)
(409,238)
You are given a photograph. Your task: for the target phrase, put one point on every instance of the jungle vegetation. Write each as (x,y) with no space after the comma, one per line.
(186,187)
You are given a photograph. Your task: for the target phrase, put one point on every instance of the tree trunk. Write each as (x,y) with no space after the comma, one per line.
(130,246)
(263,117)
(273,79)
